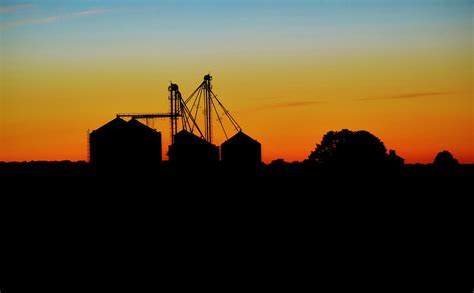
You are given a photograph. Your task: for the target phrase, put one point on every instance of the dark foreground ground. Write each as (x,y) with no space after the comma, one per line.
(69,227)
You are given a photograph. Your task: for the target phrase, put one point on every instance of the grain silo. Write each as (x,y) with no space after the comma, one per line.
(145,144)
(241,151)
(191,149)
(125,144)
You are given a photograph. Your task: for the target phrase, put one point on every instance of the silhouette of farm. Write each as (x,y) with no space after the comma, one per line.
(123,152)
(351,201)
(133,144)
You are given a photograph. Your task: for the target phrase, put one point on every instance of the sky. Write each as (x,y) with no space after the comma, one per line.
(288,71)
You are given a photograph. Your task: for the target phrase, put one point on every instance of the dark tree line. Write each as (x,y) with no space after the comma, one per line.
(348,148)
(363,150)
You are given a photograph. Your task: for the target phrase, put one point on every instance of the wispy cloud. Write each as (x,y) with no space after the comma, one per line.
(282,105)
(292,104)
(89,12)
(406,96)
(12,24)
(49,19)
(15,8)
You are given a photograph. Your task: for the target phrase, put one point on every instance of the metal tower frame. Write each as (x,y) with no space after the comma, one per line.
(178,109)
(211,104)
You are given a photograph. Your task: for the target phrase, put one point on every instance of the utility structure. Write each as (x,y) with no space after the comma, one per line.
(138,145)
(178,110)
(188,110)
(204,94)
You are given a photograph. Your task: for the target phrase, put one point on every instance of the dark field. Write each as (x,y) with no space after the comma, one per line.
(69,227)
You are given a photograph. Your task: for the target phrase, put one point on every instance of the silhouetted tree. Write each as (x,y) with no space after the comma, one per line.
(394,161)
(444,160)
(349,149)
(278,166)
(278,162)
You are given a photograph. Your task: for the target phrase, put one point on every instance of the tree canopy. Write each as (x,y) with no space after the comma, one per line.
(346,148)
(445,160)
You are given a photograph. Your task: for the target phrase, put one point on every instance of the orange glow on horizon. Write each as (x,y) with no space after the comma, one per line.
(404,82)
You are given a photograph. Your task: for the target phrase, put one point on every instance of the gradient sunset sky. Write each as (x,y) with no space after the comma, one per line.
(288,71)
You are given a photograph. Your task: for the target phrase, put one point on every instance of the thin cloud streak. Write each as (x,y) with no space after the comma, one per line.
(293,104)
(15,8)
(21,22)
(90,12)
(283,105)
(49,19)
(406,96)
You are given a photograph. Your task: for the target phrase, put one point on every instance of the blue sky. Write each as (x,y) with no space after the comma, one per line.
(190,26)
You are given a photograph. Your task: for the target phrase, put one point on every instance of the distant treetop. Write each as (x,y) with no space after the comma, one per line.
(445,160)
(348,148)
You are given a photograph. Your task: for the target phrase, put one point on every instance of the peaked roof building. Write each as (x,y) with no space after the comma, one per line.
(241,151)
(191,149)
(129,144)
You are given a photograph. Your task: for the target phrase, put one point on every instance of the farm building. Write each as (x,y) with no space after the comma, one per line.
(241,151)
(191,149)
(125,144)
